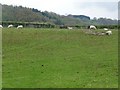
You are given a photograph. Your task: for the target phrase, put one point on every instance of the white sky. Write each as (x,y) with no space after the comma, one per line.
(93,8)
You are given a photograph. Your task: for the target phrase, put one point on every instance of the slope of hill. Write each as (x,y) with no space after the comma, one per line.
(24,14)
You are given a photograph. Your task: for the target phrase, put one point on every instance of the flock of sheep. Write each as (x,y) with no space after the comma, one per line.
(10,26)
(107,32)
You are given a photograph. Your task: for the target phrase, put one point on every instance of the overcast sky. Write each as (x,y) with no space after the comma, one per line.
(92,8)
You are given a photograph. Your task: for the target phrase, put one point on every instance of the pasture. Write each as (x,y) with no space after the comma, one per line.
(58,58)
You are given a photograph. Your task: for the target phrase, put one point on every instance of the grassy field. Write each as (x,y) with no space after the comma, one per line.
(54,58)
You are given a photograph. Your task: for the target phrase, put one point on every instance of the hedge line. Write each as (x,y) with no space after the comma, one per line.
(48,25)
(28,24)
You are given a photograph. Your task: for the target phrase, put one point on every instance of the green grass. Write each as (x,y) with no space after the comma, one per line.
(54,58)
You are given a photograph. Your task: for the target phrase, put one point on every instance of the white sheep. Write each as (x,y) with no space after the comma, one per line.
(108,32)
(1,26)
(10,26)
(105,29)
(19,26)
(70,28)
(93,27)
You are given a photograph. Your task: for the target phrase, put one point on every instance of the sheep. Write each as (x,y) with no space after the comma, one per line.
(101,33)
(108,32)
(70,28)
(92,27)
(10,26)
(19,26)
(105,29)
(1,26)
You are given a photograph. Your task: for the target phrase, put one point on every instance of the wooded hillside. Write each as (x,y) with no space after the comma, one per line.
(25,14)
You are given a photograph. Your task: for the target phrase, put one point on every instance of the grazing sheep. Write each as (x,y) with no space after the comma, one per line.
(19,26)
(92,27)
(105,29)
(1,26)
(10,26)
(70,28)
(108,32)
(101,33)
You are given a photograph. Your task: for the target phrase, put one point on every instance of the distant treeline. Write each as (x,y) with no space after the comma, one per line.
(48,25)
(108,26)
(28,24)
(25,14)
